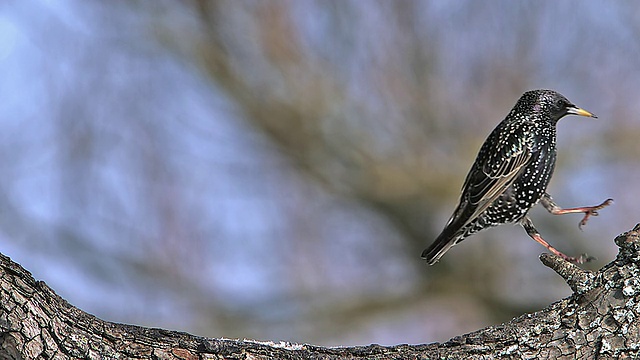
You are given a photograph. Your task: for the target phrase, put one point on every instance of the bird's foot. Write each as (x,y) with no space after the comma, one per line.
(584,258)
(592,211)
(535,235)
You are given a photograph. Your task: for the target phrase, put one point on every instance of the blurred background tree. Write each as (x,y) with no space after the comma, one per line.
(273,169)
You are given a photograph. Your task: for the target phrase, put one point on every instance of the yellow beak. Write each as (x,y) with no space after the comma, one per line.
(574,110)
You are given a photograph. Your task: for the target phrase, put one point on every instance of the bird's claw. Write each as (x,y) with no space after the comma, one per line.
(593,211)
(584,258)
(583,222)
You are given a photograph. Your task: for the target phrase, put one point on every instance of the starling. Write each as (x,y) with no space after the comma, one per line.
(511,173)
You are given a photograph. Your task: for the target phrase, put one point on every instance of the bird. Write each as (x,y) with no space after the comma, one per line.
(511,173)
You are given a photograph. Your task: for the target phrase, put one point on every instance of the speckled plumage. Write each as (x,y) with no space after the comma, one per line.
(511,173)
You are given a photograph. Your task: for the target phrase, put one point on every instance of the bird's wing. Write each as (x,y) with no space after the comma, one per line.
(502,158)
(490,176)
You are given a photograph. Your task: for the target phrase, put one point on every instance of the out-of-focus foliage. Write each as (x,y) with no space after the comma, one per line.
(273,169)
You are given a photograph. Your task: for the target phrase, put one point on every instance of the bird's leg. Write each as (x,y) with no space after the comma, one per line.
(551,207)
(528,226)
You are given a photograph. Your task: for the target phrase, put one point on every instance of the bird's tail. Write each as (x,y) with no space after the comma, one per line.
(443,243)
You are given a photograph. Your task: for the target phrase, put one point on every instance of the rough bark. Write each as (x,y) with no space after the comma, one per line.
(600,320)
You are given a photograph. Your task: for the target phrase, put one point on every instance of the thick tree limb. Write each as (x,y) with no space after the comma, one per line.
(600,320)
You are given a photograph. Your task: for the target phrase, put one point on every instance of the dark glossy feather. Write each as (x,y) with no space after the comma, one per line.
(512,169)
(486,181)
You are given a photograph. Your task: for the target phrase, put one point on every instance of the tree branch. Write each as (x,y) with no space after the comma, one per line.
(600,319)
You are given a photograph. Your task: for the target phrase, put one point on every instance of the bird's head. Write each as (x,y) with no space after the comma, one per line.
(549,104)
